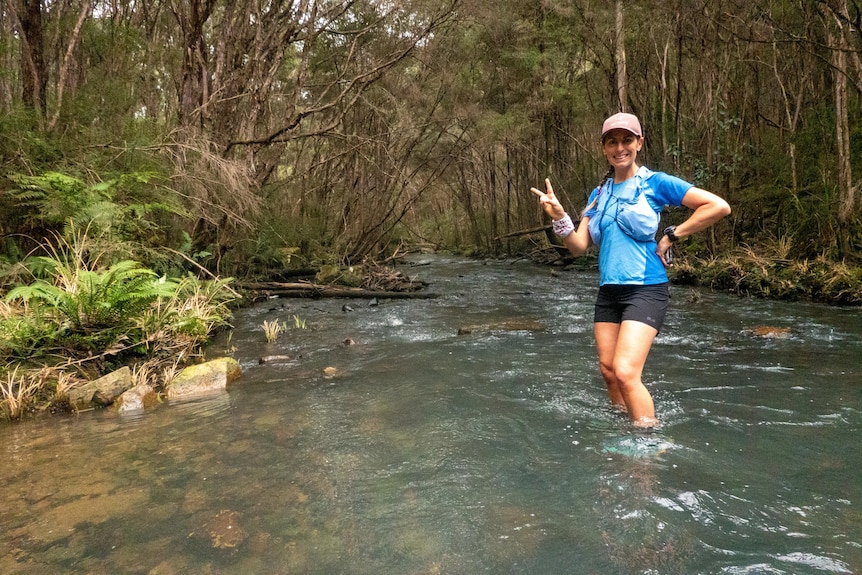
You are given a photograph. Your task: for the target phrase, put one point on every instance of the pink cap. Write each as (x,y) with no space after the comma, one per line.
(622,121)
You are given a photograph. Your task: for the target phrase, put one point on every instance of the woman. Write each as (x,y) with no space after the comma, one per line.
(621,218)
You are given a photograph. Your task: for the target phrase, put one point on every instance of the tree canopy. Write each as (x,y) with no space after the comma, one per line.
(248,133)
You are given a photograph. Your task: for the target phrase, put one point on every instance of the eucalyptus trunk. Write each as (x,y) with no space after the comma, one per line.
(620,57)
(34,73)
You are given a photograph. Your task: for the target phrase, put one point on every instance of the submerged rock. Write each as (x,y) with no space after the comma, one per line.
(224,530)
(274,359)
(770,331)
(205,378)
(507,325)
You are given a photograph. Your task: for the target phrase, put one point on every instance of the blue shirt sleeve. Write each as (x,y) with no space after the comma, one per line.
(667,190)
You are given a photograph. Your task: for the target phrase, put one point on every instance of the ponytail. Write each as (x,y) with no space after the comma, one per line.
(604,179)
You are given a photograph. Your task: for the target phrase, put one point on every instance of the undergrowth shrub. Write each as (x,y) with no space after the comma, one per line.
(82,314)
(748,272)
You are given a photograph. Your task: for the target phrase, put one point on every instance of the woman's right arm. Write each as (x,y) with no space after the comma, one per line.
(579,240)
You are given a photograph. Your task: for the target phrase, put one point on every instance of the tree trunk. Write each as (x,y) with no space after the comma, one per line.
(195,81)
(664,95)
(67,60)
(34,76)
(846,193)
(620,58)
(677,131)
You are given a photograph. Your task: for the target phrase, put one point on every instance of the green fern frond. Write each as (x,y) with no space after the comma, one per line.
(92,299)
(102,213)
(40,290)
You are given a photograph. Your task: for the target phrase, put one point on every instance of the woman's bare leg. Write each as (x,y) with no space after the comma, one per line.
(623,349)
(606,344)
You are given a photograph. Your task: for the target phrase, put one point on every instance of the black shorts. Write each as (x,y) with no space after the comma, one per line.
(645,304)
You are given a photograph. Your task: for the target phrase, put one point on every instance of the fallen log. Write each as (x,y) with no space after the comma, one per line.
(524,232)
(310,290)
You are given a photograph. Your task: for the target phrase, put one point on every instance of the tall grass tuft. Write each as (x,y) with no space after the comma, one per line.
(272,329)
(181,323)
(17,393)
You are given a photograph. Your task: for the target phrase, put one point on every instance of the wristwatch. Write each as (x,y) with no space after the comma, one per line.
(669,232)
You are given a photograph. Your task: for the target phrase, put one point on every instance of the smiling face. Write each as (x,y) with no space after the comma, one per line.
(621,148)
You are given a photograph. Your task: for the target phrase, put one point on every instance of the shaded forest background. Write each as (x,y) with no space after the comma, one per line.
(250,135)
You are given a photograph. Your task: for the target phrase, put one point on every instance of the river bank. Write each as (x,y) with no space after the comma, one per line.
(751,273)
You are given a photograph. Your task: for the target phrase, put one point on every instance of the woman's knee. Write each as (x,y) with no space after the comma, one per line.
(607,370)
(627,374)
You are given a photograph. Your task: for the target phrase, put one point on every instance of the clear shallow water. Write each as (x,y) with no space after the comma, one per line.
(494,452)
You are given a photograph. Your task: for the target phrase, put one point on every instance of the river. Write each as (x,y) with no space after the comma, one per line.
(426,452)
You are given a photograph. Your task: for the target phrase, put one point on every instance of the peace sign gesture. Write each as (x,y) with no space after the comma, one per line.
(549,201)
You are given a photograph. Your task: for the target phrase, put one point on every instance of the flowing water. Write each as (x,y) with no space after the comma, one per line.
(429,452)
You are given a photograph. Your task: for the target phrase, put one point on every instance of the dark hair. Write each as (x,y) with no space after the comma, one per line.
(608,174)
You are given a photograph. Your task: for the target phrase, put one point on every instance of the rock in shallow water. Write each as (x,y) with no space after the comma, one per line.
(204,379)
(224,530)
(135,399)
(102,391)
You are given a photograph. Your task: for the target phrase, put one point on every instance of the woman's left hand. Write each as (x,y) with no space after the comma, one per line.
(664,250)
(708,209)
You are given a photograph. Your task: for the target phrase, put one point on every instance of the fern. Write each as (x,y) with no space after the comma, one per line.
(91,300)
(118,209)
(54,197)
(76,305)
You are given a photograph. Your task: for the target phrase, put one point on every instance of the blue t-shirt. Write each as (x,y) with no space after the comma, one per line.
(623,260)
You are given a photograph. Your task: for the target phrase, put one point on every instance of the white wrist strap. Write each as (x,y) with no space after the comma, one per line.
(563,227)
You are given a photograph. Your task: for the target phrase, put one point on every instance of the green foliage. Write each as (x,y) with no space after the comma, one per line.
(82,307)
(53,198)
(413,133)
(27,335)
(94,300)
(170,328)
(93,309)
(118,208)
(188,249)
(184,320)
(750,272)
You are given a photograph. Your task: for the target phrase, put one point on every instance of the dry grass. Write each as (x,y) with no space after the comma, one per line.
(171,371)
(18,392)
(222,190)
(272,329)
(66,382)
